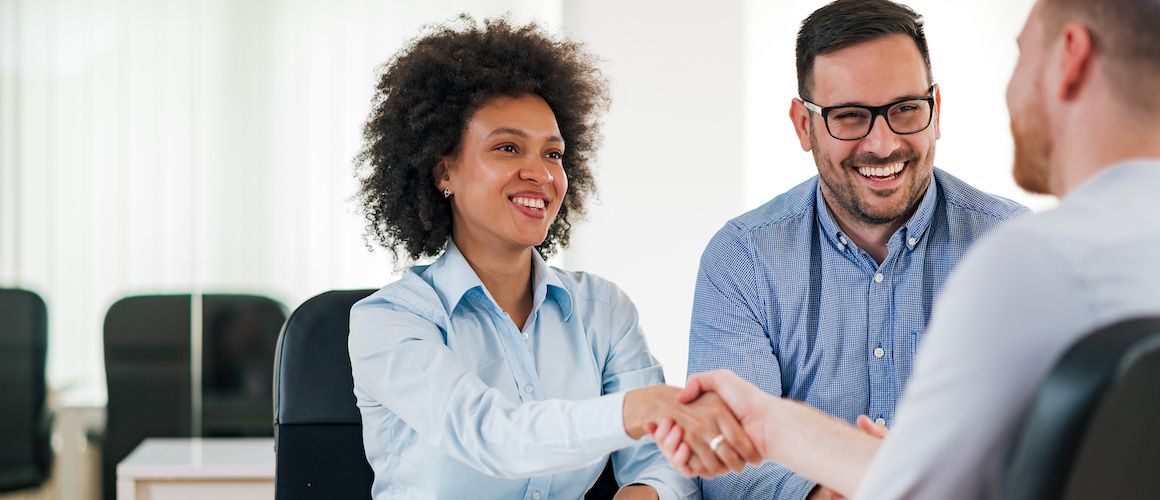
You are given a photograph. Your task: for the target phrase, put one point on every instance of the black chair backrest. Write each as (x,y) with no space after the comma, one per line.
(25,455)
(317,426)
(605,487)
(1094,429)
(148,370)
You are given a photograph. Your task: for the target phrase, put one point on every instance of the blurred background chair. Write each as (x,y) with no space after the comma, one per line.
(317,427)
(25,423)
(149,376)
(1094,429)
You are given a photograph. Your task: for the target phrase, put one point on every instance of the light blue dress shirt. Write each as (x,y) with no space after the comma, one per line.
(457,402)
(791,304)
(1021,297)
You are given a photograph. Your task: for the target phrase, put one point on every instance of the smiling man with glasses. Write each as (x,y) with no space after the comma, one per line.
(850,122)
(823,294)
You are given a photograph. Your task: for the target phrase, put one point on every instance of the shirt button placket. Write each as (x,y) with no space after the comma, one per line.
(880,368)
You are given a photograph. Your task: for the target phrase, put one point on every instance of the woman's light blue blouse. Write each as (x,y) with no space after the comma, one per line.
(457,402)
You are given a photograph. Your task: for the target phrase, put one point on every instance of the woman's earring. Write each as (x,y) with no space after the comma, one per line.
(446,192)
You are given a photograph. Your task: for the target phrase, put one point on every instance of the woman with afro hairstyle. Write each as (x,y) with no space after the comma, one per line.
(488,373)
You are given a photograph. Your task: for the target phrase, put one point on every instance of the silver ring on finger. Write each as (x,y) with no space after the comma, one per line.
(716,442)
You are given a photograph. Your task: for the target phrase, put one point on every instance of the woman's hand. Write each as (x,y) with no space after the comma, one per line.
(702,421)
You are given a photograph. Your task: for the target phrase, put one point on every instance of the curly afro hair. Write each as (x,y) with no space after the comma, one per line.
(423,101)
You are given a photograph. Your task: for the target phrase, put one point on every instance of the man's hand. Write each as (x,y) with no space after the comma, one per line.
(867,426)
(748,403)
(744,400)
(864,424)
(805,439)
(702,420)
(823,493)
(636,492)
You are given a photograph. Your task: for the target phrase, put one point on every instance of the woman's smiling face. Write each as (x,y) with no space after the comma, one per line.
(508,175)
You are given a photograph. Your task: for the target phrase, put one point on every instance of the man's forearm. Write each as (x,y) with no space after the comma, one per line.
(818,446)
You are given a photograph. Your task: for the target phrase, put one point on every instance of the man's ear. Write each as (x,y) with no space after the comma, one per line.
(800,116)
(1075,61)
(937,112)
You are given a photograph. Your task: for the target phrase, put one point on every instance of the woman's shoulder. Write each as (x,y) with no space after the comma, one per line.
(407,308)
(410,293)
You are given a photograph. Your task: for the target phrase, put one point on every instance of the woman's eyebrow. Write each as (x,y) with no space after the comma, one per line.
(520,133)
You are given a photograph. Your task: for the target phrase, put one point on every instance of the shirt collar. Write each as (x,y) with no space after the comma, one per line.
(453,278)
(913,229)
(920,221)
(826,219)
(546,283)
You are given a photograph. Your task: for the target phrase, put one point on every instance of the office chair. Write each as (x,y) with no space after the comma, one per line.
(317,427)
(25,423)
(1094,429)
(148,371)
(605,487)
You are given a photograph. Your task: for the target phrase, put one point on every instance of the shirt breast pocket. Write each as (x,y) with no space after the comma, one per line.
(913,343)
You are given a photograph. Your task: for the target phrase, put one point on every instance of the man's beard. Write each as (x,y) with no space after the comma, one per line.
(845,189)
(1033,147)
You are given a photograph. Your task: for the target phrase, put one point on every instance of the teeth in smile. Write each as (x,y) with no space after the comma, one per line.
(883,171)
(535,203)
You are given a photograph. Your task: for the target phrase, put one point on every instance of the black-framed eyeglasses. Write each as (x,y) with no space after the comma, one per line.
(850,123)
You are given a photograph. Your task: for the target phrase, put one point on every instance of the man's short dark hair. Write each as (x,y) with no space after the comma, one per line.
(1126,34)
(843,23)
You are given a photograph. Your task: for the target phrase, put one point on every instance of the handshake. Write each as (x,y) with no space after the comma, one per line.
(720,423)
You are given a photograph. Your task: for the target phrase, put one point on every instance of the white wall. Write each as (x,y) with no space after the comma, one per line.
(151,146)
(164,145)
(671,169)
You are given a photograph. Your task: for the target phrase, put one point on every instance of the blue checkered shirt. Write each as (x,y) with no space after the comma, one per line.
(788,302)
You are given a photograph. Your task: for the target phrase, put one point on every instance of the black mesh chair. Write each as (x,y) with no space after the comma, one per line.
(317,427)
(148,371)
(1094,429)
(25,423)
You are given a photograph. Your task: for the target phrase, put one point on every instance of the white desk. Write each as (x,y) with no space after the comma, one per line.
(191,468)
